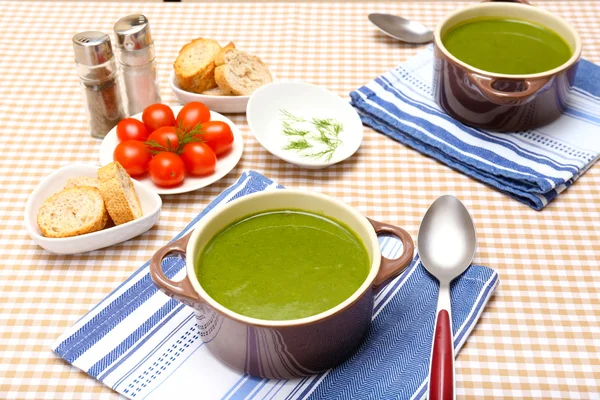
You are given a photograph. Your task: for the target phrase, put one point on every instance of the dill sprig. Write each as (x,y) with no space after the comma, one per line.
(184,137)
(288,115)
(324,131)
(325,154)
(301,144)
(289,130)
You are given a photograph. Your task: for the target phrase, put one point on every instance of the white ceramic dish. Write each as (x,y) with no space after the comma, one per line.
(306,101)
(224,164)
(222,104)
(55,182)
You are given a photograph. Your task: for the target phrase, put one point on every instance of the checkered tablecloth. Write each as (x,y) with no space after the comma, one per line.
(540,334)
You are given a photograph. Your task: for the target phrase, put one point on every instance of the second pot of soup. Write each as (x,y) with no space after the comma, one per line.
(504,66)
(282,281)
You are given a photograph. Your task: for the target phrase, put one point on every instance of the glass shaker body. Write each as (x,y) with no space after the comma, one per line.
(102,96)
(140,78)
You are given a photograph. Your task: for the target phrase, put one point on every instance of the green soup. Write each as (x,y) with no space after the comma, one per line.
(282,265)
(506,46)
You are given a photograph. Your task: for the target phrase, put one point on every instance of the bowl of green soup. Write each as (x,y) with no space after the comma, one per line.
(504,66)
(282,281)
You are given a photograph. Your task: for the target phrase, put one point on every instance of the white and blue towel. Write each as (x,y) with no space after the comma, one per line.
(531,166)
(146,345)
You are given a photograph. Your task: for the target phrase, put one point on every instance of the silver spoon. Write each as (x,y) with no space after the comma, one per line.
(446,243)
(401,29)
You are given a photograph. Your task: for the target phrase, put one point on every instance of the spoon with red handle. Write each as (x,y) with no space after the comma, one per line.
(446,243)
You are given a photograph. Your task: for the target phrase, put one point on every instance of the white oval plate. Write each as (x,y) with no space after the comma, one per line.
(55,182)
(224,164)
(308,101)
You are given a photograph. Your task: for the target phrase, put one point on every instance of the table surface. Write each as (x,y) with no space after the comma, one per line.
(539,336)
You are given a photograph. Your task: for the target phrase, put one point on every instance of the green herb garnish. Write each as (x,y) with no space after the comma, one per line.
(322,132)
(301,144)
(288,115)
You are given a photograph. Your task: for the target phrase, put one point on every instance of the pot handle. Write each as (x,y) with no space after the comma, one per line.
(392,268)
(183,290)
(485,84)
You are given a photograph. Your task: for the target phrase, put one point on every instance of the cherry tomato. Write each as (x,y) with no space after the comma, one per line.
(192,114)
(167,169)
(158,115)
(133,155)
(166,137)
(199,159)
(131,129)
(218,136)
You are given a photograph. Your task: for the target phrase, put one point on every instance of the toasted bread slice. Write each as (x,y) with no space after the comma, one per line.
(242,74)
(225,54)
(213,92)
(119,194)
(195,65)
(72,212)
(87,181)
(82,181)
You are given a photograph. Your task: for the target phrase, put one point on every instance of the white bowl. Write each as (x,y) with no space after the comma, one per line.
(222,104)
(225,163)
(306,101)
(55,182)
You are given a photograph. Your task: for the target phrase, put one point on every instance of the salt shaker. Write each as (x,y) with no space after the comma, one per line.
(97,71)
(136,56)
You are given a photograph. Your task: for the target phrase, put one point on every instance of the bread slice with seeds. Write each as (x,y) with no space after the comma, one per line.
(195,65)
(119,194)
(242,74)
(82,181)
(226,54)
(214,92)
(72,212)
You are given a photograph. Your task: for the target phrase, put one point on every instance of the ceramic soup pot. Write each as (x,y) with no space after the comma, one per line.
(499,102)
(287,348)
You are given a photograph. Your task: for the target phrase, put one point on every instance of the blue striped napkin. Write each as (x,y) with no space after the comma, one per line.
(144,344)
(531,166)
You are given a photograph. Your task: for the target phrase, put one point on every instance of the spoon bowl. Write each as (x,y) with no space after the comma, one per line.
(401,29)
(446,243)
(447,238)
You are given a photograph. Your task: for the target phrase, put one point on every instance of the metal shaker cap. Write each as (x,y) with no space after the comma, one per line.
(92,48)
(133,32)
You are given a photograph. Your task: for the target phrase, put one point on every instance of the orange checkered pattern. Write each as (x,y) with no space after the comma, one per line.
(540,334)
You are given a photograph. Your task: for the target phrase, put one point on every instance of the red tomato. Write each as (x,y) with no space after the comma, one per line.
(166,137)
(218,136)
(158,115)
(167,169)
(131,129)
(199,159)
(192,114)
(133,155)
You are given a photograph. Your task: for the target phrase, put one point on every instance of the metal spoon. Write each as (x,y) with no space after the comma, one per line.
(401,29)
(446,243)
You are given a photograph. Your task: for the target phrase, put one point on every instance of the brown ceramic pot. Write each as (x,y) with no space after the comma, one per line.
(504,103)
(282,349)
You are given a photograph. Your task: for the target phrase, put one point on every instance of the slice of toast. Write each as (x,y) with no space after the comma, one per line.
(72,212)
(119,194)
(225,54)
(242,74)
(82,181)
(214,92)
(195,65)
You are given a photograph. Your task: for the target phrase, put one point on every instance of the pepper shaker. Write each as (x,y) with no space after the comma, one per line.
(97,71)
(138,64)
